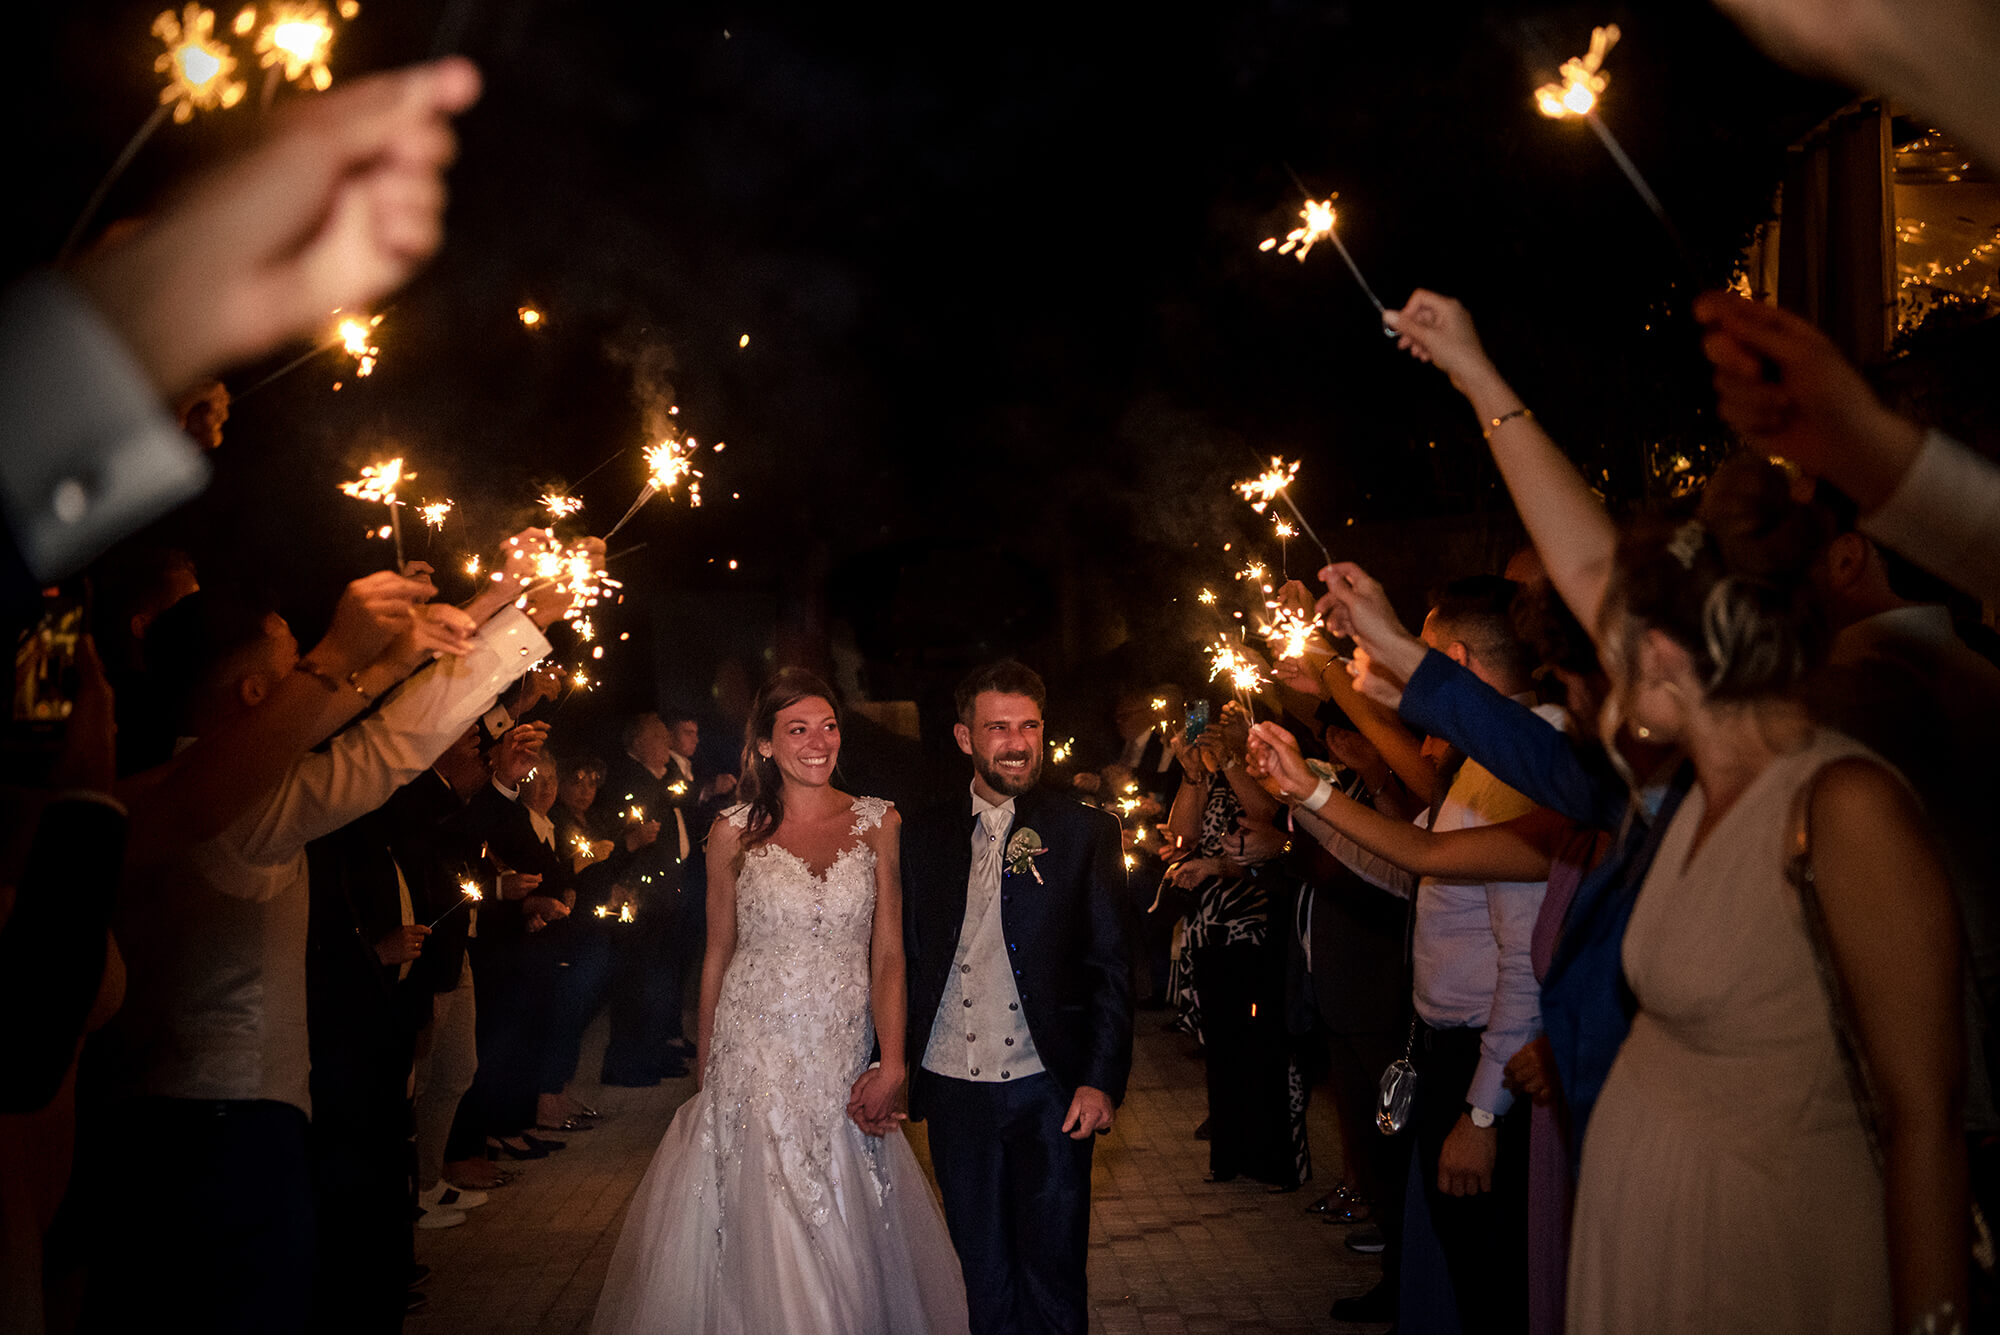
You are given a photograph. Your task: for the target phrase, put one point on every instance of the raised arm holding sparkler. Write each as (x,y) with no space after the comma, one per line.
(1563,516)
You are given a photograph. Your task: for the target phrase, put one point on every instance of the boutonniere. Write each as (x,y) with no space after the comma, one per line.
(1022,850)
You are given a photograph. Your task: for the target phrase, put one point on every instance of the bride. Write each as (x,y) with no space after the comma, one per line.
(784,1197)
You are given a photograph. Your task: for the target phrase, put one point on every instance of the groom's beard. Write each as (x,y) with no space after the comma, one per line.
(1009,784)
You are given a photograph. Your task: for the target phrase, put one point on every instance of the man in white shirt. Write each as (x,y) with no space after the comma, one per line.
(210,1051)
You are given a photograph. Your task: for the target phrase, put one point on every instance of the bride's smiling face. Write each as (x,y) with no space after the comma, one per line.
(804,742)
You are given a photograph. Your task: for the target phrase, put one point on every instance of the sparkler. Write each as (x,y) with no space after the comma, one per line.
(529,316)
(472,565)
(1291,634)
(1275,483)
(355,336)
(1206,597)
(1245,678)
(1583,82)
(468,893)
(198,70)
(297,40)
(1319,220)
(1059,753)
(433,513)
(378,483)
(560,506)
(667,465)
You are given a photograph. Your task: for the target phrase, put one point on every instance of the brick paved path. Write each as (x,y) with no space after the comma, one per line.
(1169,1254)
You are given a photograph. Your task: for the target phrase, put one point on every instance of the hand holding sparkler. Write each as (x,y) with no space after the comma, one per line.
(402,945)
(337,206)
(1439,331)
(371,613)
(1356,606)
(517,753)
(1275,761)
(1781,383)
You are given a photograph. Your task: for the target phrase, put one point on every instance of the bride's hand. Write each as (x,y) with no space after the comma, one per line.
(873,1102)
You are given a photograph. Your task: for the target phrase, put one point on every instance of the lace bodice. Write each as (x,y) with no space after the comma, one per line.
(793,1027)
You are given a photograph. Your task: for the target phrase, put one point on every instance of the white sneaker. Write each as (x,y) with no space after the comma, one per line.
(446,1196)
(440,1218)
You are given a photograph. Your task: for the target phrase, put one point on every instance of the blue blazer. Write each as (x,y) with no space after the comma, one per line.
(1587,1007)
(1067,934)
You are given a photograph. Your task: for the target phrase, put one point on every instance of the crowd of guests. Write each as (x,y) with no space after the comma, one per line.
(1640,907)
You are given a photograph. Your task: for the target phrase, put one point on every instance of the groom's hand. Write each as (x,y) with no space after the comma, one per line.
(1089,1113)
(873,1101)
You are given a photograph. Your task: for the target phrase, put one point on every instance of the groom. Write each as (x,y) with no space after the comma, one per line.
(1020,1020)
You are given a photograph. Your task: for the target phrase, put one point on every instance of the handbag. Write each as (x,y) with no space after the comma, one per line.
(1398,1088)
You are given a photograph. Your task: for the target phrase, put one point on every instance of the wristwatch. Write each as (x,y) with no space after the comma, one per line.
(1481,1118)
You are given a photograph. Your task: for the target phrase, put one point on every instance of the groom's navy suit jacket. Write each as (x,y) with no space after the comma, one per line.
(1066,934)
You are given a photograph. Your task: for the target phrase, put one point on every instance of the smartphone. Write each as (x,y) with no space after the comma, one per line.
(45,676)
(1197,720)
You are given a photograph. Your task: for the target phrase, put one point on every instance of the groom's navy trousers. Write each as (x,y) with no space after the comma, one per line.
(1017,1200)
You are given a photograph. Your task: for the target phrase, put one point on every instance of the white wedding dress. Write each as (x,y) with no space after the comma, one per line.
(766,1210)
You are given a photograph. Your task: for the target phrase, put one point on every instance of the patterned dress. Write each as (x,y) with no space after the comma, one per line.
(766,1208)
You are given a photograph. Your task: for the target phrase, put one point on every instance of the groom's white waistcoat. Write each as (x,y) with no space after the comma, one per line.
(979,1032)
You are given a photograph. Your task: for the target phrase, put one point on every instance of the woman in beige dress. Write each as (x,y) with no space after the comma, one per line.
(1728,1182)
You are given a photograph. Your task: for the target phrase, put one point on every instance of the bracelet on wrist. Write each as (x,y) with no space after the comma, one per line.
(1321,794)
(1496,423)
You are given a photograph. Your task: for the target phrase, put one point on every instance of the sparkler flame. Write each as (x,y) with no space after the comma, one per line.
(299,37)
(1059,753)
(1319,218)
(1226,658)
(433,513)
(574,571)
(530,316)
(1206,597)
(560,506)
(1261,490)
(1582,79)
(472,565)
(355,338)
(470,889)
(624,913)
(378,482)
(1291,635)
(198,67)
(671,461)
(1254,572)
(584,630)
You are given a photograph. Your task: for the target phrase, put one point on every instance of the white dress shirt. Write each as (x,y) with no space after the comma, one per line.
(980,1033)
(1945,516)
(215,937)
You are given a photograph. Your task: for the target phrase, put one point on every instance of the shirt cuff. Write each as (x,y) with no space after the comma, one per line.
(511,794)
(1941,508)
(1487,1091)
(93,454)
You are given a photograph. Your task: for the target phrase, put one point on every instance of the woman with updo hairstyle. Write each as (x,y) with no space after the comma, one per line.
(1779,1146)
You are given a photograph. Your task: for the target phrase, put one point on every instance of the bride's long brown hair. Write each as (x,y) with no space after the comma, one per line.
(762,787)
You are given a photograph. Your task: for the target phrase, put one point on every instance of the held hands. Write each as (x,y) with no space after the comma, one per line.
(1466,1159)
(1089,1114)
(872,1103)
(1781,383)
(335,208)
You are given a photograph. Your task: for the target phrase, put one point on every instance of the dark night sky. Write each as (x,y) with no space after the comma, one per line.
(1010,336)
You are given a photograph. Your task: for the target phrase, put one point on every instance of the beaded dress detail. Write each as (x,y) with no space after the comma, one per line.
(766,1208)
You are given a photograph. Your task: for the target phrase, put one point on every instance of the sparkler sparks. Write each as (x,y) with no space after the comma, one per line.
(198,67)
(468,893)
(297,39)
(529,316)
(1254,572)
(1284,530)
(378,482)
(1582,83)
(1225,659)
(472,565)
(1268,485)
(356,337)
(668,464)
(433,514)
(1059,754)
(560,506)
(1291,634)
(1206,597)
(1583,80)
(584,630)
(1319,217)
